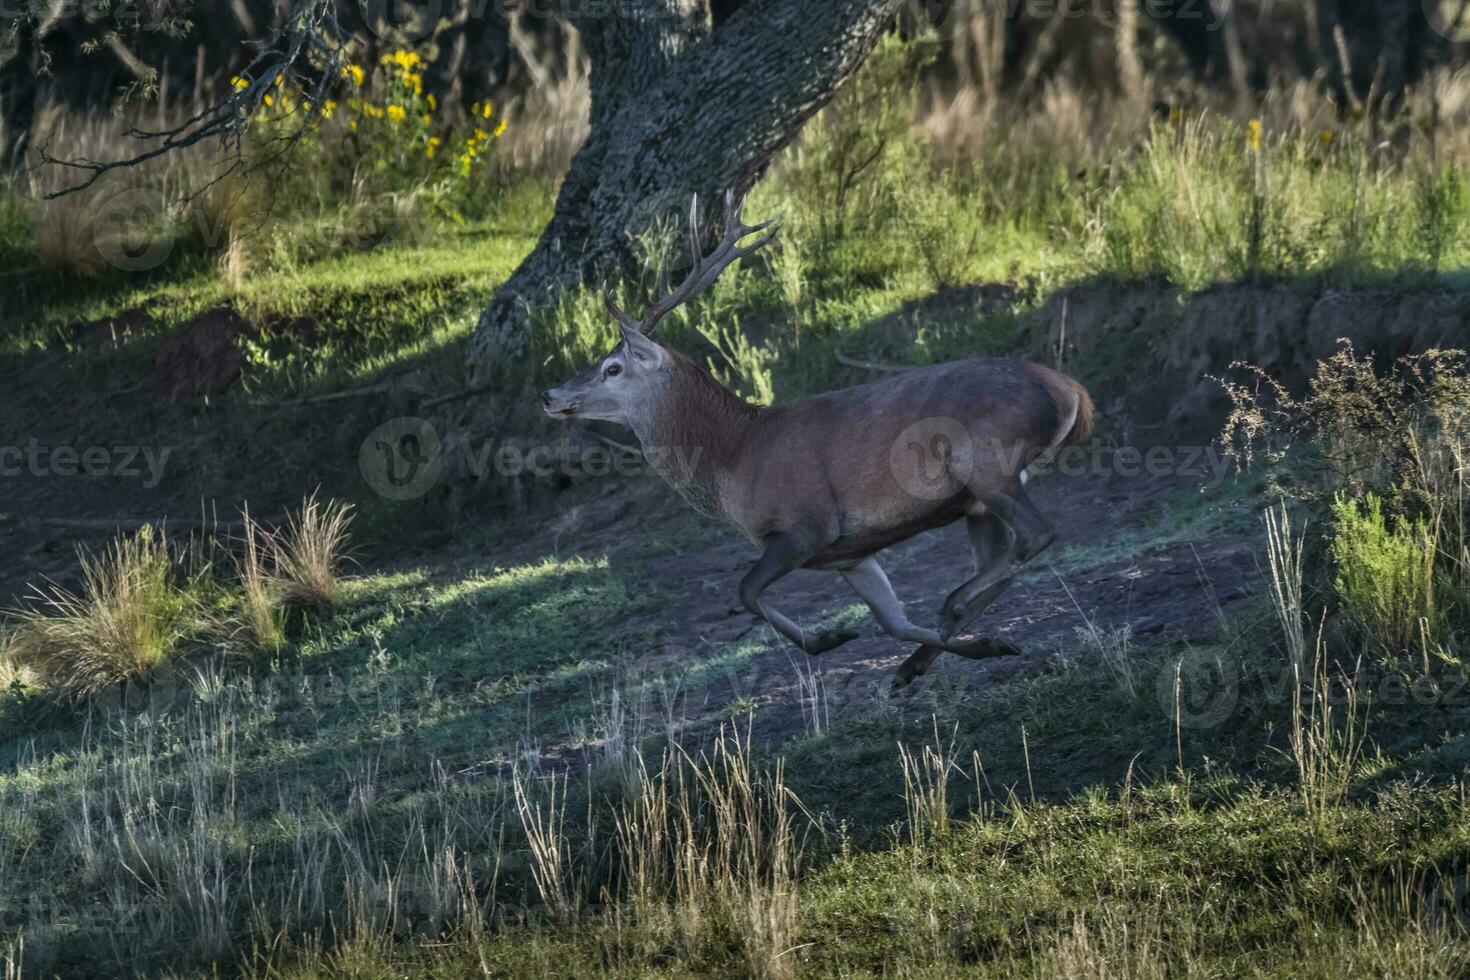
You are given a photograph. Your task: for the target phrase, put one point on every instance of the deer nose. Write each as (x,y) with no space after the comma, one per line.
(546,398)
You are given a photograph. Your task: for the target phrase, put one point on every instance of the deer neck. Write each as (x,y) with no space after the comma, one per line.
(696,433)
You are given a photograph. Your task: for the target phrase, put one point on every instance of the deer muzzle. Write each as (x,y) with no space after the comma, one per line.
(558,405)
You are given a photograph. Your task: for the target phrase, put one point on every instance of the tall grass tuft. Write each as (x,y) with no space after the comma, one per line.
(310,551)
(544,824)
(130,618)
(261,610)
(707,854)
(926,776)
(1327,734)
(1284,563)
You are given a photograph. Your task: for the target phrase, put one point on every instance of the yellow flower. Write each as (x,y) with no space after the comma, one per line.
(1326,137)
(1253,136)
(488,111)
(433,147)
(396,113)
(328,108)
(239,84)
(353,72)
(269,100)
(500,130)
(480,136)
(433,102)
(352,125)
(372,110)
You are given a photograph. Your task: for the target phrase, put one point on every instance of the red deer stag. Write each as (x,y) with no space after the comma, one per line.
(828,481)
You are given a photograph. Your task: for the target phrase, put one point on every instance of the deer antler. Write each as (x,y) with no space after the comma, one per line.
(707,268)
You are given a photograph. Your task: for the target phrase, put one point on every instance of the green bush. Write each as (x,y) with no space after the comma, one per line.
(1385,574)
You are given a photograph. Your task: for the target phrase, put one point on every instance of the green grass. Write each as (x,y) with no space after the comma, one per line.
(1085,826)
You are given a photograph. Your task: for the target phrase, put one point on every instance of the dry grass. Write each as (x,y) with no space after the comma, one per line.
(1327,721)
(707,852)
(926,775)
(549,122)
(262,619)
(130,617)
(12,672)
(310,550)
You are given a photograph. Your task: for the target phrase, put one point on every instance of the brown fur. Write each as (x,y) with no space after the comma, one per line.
(835,467)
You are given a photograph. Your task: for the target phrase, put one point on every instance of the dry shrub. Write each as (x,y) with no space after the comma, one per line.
(1397,431)
(1388,450)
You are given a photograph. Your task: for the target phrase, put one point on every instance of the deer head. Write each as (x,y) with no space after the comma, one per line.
(625,385)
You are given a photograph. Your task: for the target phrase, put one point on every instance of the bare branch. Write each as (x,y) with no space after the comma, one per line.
(307,49)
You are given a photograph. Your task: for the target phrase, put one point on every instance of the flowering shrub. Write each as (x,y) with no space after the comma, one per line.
(386,130)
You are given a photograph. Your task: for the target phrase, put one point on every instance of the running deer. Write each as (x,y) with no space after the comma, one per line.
(828,481)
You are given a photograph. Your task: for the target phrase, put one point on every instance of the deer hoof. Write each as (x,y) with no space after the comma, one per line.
(829,640)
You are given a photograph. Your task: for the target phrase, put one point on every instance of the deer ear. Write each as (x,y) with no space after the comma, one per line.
(640,346)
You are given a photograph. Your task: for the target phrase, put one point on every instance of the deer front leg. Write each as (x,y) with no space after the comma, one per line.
(784,554)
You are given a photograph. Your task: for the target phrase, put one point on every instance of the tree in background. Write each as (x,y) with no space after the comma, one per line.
(686,95)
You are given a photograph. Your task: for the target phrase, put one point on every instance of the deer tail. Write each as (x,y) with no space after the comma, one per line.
(1074,409)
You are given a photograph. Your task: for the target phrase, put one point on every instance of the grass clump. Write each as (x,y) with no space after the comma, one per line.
(298,564)
(130,617)
(13,673)
(1385,574)
(262,616)
(310,551)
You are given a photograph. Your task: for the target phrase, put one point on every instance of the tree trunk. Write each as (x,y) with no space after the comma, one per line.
(676,108)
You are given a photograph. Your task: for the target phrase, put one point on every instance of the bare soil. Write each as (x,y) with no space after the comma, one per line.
(1110,568)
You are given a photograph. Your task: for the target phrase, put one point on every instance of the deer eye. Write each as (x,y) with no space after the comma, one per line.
(612,371)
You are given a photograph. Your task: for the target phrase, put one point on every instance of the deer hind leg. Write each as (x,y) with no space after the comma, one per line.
(784,554)
(869,581)
(1030,534)
(1005,537)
